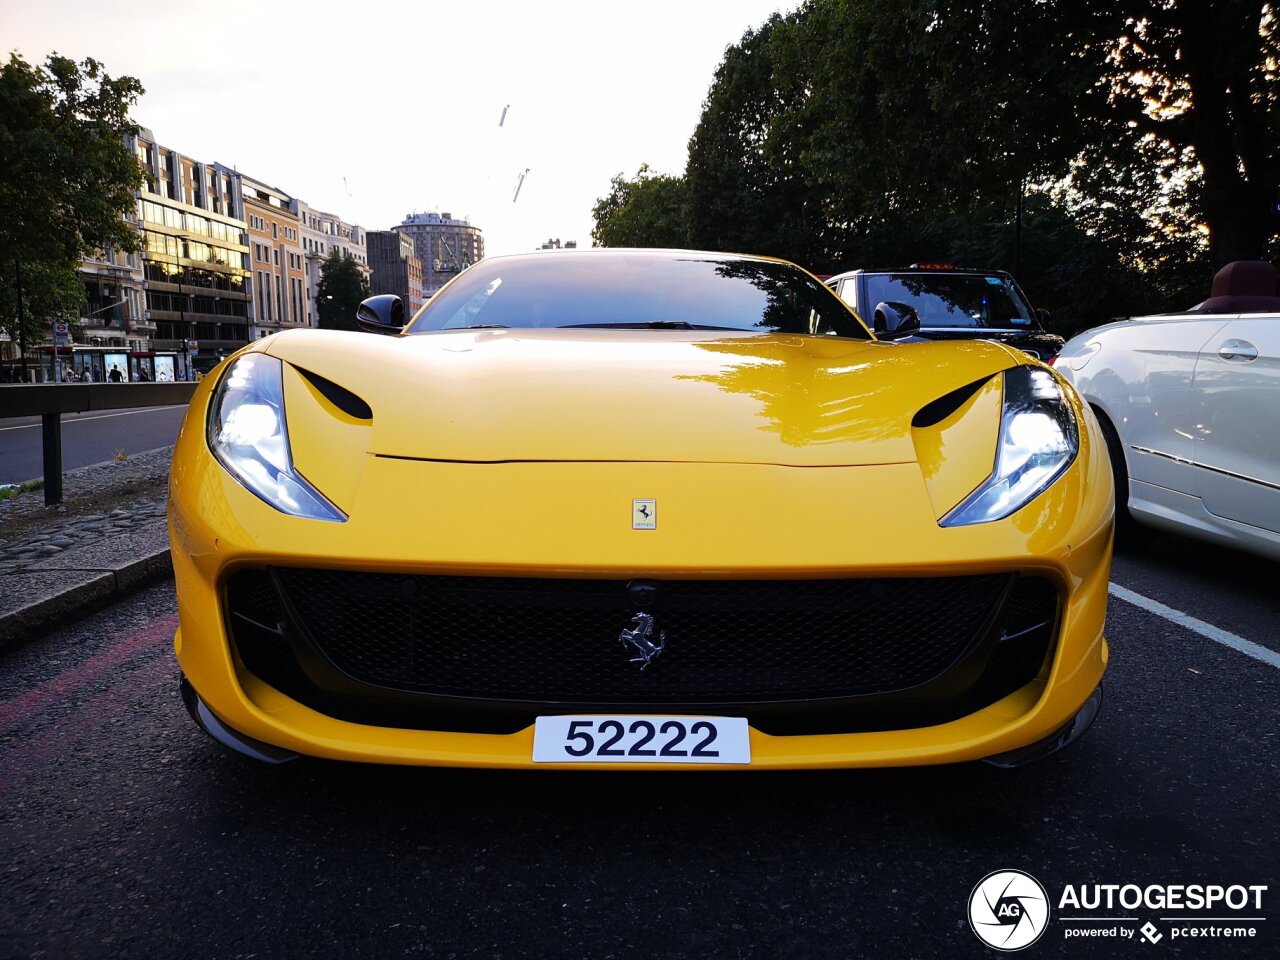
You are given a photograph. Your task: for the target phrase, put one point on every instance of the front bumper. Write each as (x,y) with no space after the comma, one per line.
(236,741)
(233,739)
(1071,731)
(244,703)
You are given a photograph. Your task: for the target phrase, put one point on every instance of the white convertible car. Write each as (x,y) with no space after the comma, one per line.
(1190,405)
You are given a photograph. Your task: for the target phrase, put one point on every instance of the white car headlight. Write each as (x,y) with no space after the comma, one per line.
(249,436)
(1039,439)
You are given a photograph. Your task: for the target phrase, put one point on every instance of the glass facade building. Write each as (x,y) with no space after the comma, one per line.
(195,253)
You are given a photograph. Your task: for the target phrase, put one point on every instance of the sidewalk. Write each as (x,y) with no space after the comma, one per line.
(108,538)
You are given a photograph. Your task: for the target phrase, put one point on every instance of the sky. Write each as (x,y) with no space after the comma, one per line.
(372,109)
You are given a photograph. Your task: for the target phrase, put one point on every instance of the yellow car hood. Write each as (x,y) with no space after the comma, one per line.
(640,395)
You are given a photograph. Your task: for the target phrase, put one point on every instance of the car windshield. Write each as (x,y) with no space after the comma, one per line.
(952,300)
(637,290)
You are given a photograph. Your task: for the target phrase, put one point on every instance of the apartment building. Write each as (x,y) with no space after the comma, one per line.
(445,246)
(321,234)
(277,263)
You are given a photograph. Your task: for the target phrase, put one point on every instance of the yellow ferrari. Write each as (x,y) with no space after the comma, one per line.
(638,510)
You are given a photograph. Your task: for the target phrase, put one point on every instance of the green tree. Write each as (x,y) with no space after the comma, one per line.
(1193,98)
(342,286)
(650,210)
(851,122)
(1143,135)
(69,180)
(750,188)
(49,291)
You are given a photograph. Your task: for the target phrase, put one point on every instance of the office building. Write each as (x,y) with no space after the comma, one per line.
(194,253)
(444,245)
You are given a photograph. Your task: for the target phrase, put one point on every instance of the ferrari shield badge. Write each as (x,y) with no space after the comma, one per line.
(644,514)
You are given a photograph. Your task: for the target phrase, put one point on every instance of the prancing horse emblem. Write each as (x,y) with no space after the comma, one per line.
(641,639)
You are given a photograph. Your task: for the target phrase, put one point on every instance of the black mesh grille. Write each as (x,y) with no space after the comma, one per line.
(558,640)
(490,654)
(258,623)
(251,596)
(1026,631)
(1031,603)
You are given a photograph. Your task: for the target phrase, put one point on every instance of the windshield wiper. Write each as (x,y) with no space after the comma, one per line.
(646,325)
(482,326)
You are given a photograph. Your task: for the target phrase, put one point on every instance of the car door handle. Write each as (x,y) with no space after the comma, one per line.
(1238,351)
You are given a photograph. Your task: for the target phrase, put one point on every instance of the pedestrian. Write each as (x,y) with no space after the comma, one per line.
(86,376)
(114,375)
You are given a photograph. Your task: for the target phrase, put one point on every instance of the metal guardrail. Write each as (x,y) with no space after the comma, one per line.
(50,401)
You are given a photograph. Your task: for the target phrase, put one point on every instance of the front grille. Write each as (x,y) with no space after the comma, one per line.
(488,654)
(558,640)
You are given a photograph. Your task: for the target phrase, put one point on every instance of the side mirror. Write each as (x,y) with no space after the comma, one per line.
(1042,317)
(894,320)
(381,314)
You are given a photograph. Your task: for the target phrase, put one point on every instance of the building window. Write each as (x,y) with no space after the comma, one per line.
(274,231)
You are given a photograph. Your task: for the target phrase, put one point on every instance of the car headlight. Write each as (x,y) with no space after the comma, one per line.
(249,436)
(1038,441)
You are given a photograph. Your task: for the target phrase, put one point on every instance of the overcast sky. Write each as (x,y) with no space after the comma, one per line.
(404,100)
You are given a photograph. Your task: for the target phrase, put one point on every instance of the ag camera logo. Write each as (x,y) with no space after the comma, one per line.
(1008,910)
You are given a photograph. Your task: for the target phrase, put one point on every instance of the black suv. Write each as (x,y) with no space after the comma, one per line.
(941,302)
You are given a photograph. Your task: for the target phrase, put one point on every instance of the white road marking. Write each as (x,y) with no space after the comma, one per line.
(1217,634)
(101,416)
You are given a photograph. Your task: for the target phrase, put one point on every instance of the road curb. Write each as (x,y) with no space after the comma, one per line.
(76,593)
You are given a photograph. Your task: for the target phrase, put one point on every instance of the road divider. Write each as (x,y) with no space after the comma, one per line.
(50,401)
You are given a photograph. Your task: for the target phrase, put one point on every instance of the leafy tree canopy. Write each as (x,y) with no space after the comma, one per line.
(342,286)
(69,180)
(650,210)
(1143,135)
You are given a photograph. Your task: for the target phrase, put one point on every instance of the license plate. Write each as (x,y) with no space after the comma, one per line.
(641,740)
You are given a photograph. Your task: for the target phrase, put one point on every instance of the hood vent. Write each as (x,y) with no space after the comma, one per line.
(934,412)
(339,396)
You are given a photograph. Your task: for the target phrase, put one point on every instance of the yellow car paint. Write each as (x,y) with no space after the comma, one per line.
(959,452)
(328,444)
(626,395)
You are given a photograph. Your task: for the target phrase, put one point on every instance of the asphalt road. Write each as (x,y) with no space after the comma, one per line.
(87,438)
(125,832)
